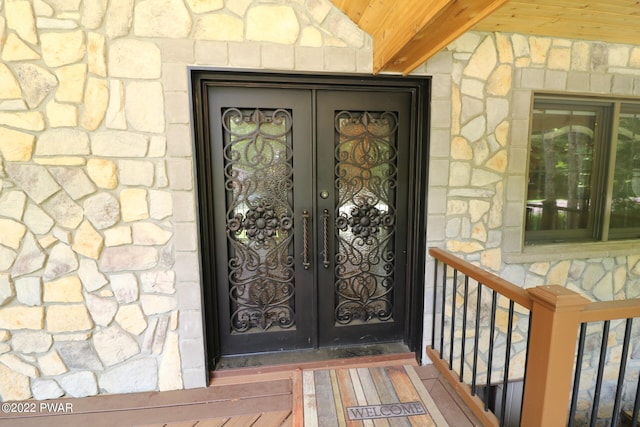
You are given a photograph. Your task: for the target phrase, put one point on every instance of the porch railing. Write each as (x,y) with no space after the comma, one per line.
(491,338)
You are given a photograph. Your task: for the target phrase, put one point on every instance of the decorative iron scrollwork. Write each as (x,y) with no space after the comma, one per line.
(259,181)
(365,220)
(366,178)
(260,223)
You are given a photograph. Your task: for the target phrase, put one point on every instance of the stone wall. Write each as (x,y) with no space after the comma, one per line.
(99,264)
(481,107)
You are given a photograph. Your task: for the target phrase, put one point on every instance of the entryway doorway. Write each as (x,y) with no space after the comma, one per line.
(311,201)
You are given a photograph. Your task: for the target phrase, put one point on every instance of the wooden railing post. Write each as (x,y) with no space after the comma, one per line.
(552,344)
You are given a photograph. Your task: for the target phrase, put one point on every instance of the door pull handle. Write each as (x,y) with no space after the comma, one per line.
(305,240)
(325,238)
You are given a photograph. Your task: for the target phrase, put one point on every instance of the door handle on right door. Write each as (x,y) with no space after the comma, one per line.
(305,240)
(325,238)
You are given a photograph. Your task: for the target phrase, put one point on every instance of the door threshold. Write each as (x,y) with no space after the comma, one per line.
(310,359)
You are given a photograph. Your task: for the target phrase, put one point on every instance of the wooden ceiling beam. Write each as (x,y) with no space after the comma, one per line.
(408,32)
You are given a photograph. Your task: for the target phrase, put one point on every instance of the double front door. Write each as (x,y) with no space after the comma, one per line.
(310,220)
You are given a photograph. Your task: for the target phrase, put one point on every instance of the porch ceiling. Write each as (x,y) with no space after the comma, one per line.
(408,32)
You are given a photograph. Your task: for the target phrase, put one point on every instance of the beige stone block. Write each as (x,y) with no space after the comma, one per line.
(260,26)
(68,318)
(17,50)
(96,100)
(498,162)
(500,81)
(62,115)
(148,234)
(103,173)
(128,257)
(88,241)
(62,48)
(130,58)
(464,247)
(134,205)
(204,6)
(634,57)
(144,106)
(160,204)
(27,120)
(21,317)
(539,48)
(558,273)
(540,268)
(136,173)
(502,133)
(310,37)
(5,336)
(492,259)
(505,49)
(118,236)
(479,232)
(477,209)
(119,18)
(55,142)
(459,174)
(162,18)
(16,146)
(71,83)
(115,118)
(11,233)
(14,386)
(156,304)
(461,149)
(9,86)
(170,369)
(51,364)
(20,17)
(96,50)
(131,319)
(559,59)
(66,289)
(220,27)
(483,61)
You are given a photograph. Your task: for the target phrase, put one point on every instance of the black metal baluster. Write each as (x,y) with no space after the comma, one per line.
(474,372)
(623,368)
(576,377)
(454,292)
(435,298)
(601,362)
(494,299)
(507,359)
(444,294)
(464,326)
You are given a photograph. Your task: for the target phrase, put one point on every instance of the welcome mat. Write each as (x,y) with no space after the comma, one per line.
(380,396)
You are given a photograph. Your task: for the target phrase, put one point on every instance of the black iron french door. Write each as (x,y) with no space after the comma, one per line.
(309,210)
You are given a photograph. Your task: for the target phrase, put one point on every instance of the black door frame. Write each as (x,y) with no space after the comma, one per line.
(419,87)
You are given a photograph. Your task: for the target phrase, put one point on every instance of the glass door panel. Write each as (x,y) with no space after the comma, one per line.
(362,164)
(261,217)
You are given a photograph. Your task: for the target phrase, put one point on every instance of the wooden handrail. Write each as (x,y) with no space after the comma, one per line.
(498,284)
(611,310)
(557,313)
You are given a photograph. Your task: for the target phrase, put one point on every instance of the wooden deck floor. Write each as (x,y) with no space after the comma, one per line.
(257,397)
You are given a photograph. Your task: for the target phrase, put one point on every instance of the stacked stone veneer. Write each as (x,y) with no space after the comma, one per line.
(481,107)
(99,266)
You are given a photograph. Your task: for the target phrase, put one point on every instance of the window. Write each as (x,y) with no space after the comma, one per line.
(584,170)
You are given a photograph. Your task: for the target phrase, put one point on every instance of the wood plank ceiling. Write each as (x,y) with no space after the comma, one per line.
(406,33)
